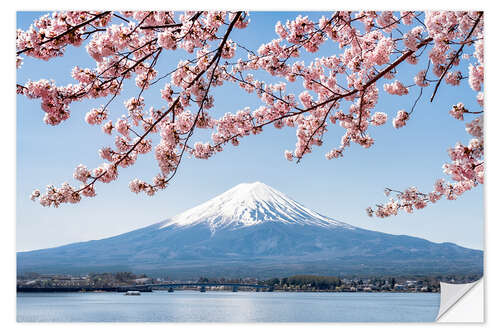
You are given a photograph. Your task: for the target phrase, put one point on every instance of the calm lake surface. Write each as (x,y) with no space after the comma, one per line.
(220,306)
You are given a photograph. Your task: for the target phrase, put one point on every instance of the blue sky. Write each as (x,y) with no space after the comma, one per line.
(341,189)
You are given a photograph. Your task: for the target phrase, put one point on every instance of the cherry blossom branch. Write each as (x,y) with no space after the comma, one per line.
(450,63)
(122,52)
(65,32)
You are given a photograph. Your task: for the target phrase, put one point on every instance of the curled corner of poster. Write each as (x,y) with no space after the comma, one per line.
(462,303)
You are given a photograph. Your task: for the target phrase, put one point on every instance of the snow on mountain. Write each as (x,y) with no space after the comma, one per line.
(249,204)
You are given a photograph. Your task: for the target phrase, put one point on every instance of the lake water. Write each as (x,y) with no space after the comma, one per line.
(220,306)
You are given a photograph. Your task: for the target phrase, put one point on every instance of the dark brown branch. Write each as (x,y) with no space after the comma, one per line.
(314,133)
(455,56)
(216,58)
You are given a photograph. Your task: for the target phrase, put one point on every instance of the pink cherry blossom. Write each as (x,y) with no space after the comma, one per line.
(96,116)
(379,118)
(396,88)
(458,111)
(400,119)
(187,56)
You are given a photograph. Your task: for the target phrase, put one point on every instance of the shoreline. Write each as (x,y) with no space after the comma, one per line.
(147,289)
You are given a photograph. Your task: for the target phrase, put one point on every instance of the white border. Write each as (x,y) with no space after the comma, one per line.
(7,310)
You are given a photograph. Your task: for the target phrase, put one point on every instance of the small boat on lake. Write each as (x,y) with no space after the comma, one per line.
(133,293)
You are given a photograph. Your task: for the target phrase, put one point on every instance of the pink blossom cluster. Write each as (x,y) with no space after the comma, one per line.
(458,111)
(81,173)
(407,17)
(408,200)
(379,118)
(119,36)
(334,153)
(96,116)
(122,126)
(480,98)
(106,153)
(55,100)
(420,79)
(300,30)
(400,119)
(396,88)
(105,173)
(64,194)
(143,146)
(108,127)
(202,150)
(413,38)
(19,62)
(137,186)
(453,78)
(475,127)
(464,160)
(233,125)
(386,20)
(168,40)
(40,40)
(476,76)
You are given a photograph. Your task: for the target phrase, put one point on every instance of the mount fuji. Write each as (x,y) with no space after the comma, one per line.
(254,230)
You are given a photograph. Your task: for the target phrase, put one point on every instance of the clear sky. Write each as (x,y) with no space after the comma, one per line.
(341,188)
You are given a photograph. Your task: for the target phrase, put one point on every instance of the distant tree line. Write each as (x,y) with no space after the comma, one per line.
(302,281)
(316,282)
(92,279)
(306,281)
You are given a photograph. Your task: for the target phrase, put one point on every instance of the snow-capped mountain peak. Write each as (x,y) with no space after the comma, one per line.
(249,204)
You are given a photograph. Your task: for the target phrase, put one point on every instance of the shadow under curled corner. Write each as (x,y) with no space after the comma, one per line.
(462,303)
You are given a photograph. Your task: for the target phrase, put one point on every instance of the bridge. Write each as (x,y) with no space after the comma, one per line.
(203,286)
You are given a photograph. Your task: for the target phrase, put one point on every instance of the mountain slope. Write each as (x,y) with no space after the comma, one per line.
(254,230)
